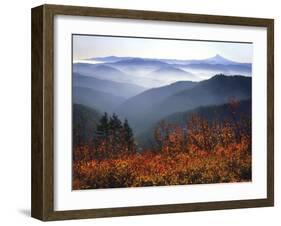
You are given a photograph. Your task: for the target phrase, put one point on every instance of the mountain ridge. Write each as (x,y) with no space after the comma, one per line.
(121,89)
(101,101)
(216,59)
(217,90)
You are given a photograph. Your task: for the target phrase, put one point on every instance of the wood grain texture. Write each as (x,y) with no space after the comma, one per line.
(155,15)
(42,113)
(270,111)
(37,159)
(43,107)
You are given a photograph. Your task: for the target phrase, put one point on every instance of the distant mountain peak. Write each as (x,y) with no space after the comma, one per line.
(218,59)
(218,56)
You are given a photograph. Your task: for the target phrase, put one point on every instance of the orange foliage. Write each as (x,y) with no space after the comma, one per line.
(201,152)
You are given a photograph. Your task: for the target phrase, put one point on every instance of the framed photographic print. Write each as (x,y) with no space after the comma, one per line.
(141,112)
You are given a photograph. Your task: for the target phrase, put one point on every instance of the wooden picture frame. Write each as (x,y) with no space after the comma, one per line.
(42,204)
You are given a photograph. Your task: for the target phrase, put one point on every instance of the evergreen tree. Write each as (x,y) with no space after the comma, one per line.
(129,137)
(100,138)
(115,134)
(114,123)
(103,127)
(113,137)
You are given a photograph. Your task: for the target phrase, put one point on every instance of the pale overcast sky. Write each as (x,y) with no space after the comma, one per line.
(100,46)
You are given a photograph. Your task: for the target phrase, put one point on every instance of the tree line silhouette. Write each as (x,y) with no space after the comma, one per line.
(111,139)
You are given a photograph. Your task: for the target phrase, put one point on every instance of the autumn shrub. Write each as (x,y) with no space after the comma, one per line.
(199,152)
(150,169)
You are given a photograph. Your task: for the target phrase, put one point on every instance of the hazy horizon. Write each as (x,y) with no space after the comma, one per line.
(88,60)
(90,46)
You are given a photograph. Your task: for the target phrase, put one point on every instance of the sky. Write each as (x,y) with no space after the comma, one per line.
(89,46)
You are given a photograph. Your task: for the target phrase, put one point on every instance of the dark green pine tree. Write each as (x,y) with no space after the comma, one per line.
(103,127)
(101,136)
(115,134)
(129,137)
(118,137)
(115,123)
